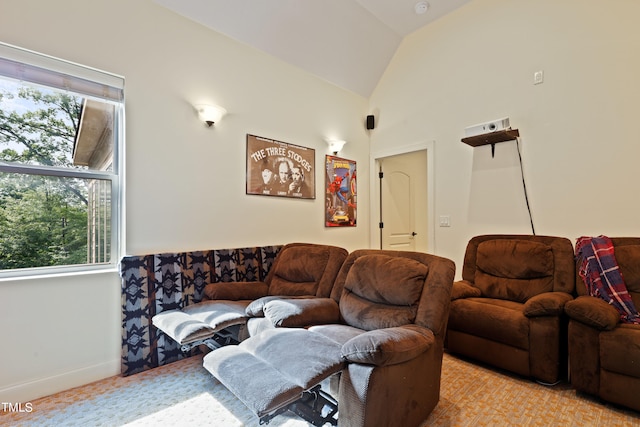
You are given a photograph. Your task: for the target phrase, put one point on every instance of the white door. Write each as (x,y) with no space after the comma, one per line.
(404,201)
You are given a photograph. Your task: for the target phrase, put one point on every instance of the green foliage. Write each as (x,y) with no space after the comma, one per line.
(45,133)
(43,219)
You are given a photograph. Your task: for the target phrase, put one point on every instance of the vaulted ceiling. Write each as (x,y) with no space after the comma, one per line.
(346,42)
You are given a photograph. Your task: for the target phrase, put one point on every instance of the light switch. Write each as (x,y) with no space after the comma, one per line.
(538,77)
(445,221)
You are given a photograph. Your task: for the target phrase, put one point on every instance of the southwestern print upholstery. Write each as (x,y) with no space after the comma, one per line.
(157,282)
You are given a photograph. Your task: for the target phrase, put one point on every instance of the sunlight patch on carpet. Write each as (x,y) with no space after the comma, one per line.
(189,413)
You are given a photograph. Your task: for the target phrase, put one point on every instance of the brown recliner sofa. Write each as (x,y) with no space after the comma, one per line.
(604,353)
(383,336)
(508,309)
(304,270)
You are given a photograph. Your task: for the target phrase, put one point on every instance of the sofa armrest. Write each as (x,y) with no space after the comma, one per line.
(593,312)
(256,307)
(388,346)
(301,312)
(235,291)
(546,304)
(464,289)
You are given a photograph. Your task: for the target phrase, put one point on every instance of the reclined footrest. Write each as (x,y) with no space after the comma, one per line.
(200,323)
(268,379)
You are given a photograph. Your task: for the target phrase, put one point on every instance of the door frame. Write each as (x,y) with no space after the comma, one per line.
(374,193)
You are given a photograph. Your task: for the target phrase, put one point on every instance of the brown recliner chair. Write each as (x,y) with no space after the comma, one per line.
(508,311)
(299,270)
(604,353)
(383,334)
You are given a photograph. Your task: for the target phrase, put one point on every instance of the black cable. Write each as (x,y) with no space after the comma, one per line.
(524,186)
(380,175)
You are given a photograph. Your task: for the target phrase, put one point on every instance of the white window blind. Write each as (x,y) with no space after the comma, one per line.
(24,65)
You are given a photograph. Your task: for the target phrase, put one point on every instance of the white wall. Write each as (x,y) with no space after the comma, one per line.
(185,183)
(58,333)
(579,134)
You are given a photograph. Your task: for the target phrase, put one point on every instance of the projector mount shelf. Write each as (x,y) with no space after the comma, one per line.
(492,138)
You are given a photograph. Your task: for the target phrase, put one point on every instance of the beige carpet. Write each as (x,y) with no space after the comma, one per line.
(184,394)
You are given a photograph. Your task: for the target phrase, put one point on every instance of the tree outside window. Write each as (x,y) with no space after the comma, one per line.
(58,176)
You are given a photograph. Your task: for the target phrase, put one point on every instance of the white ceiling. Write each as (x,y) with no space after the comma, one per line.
(346,42)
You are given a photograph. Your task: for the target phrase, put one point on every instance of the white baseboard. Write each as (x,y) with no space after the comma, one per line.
(28,391)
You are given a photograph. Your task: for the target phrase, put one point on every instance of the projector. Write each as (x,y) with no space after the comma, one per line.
(488,127)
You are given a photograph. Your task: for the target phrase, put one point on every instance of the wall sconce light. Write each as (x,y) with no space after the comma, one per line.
(335,145)
(210,114)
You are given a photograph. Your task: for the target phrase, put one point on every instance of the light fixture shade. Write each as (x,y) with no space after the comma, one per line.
(210,114)
(335,145)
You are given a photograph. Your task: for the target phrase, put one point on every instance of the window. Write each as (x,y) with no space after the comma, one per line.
(61,147)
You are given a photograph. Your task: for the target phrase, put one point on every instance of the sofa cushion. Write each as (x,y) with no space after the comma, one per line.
(627,257)
(299,270)
(381,291)
(514,270)
(492,319)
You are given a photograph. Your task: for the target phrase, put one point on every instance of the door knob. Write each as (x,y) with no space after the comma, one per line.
(414,233)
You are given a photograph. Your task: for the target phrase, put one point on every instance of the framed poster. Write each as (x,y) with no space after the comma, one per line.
(276,168)
(341,192)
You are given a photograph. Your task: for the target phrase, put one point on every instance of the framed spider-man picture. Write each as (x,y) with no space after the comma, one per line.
(341,192)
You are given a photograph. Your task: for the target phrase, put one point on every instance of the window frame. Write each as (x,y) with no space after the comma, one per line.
(90,83)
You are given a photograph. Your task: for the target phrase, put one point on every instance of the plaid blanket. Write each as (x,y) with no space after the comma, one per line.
(601,274)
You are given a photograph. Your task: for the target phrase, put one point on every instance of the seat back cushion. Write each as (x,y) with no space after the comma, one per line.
(514,270)
(628,258)
(298,270)
(382,291)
